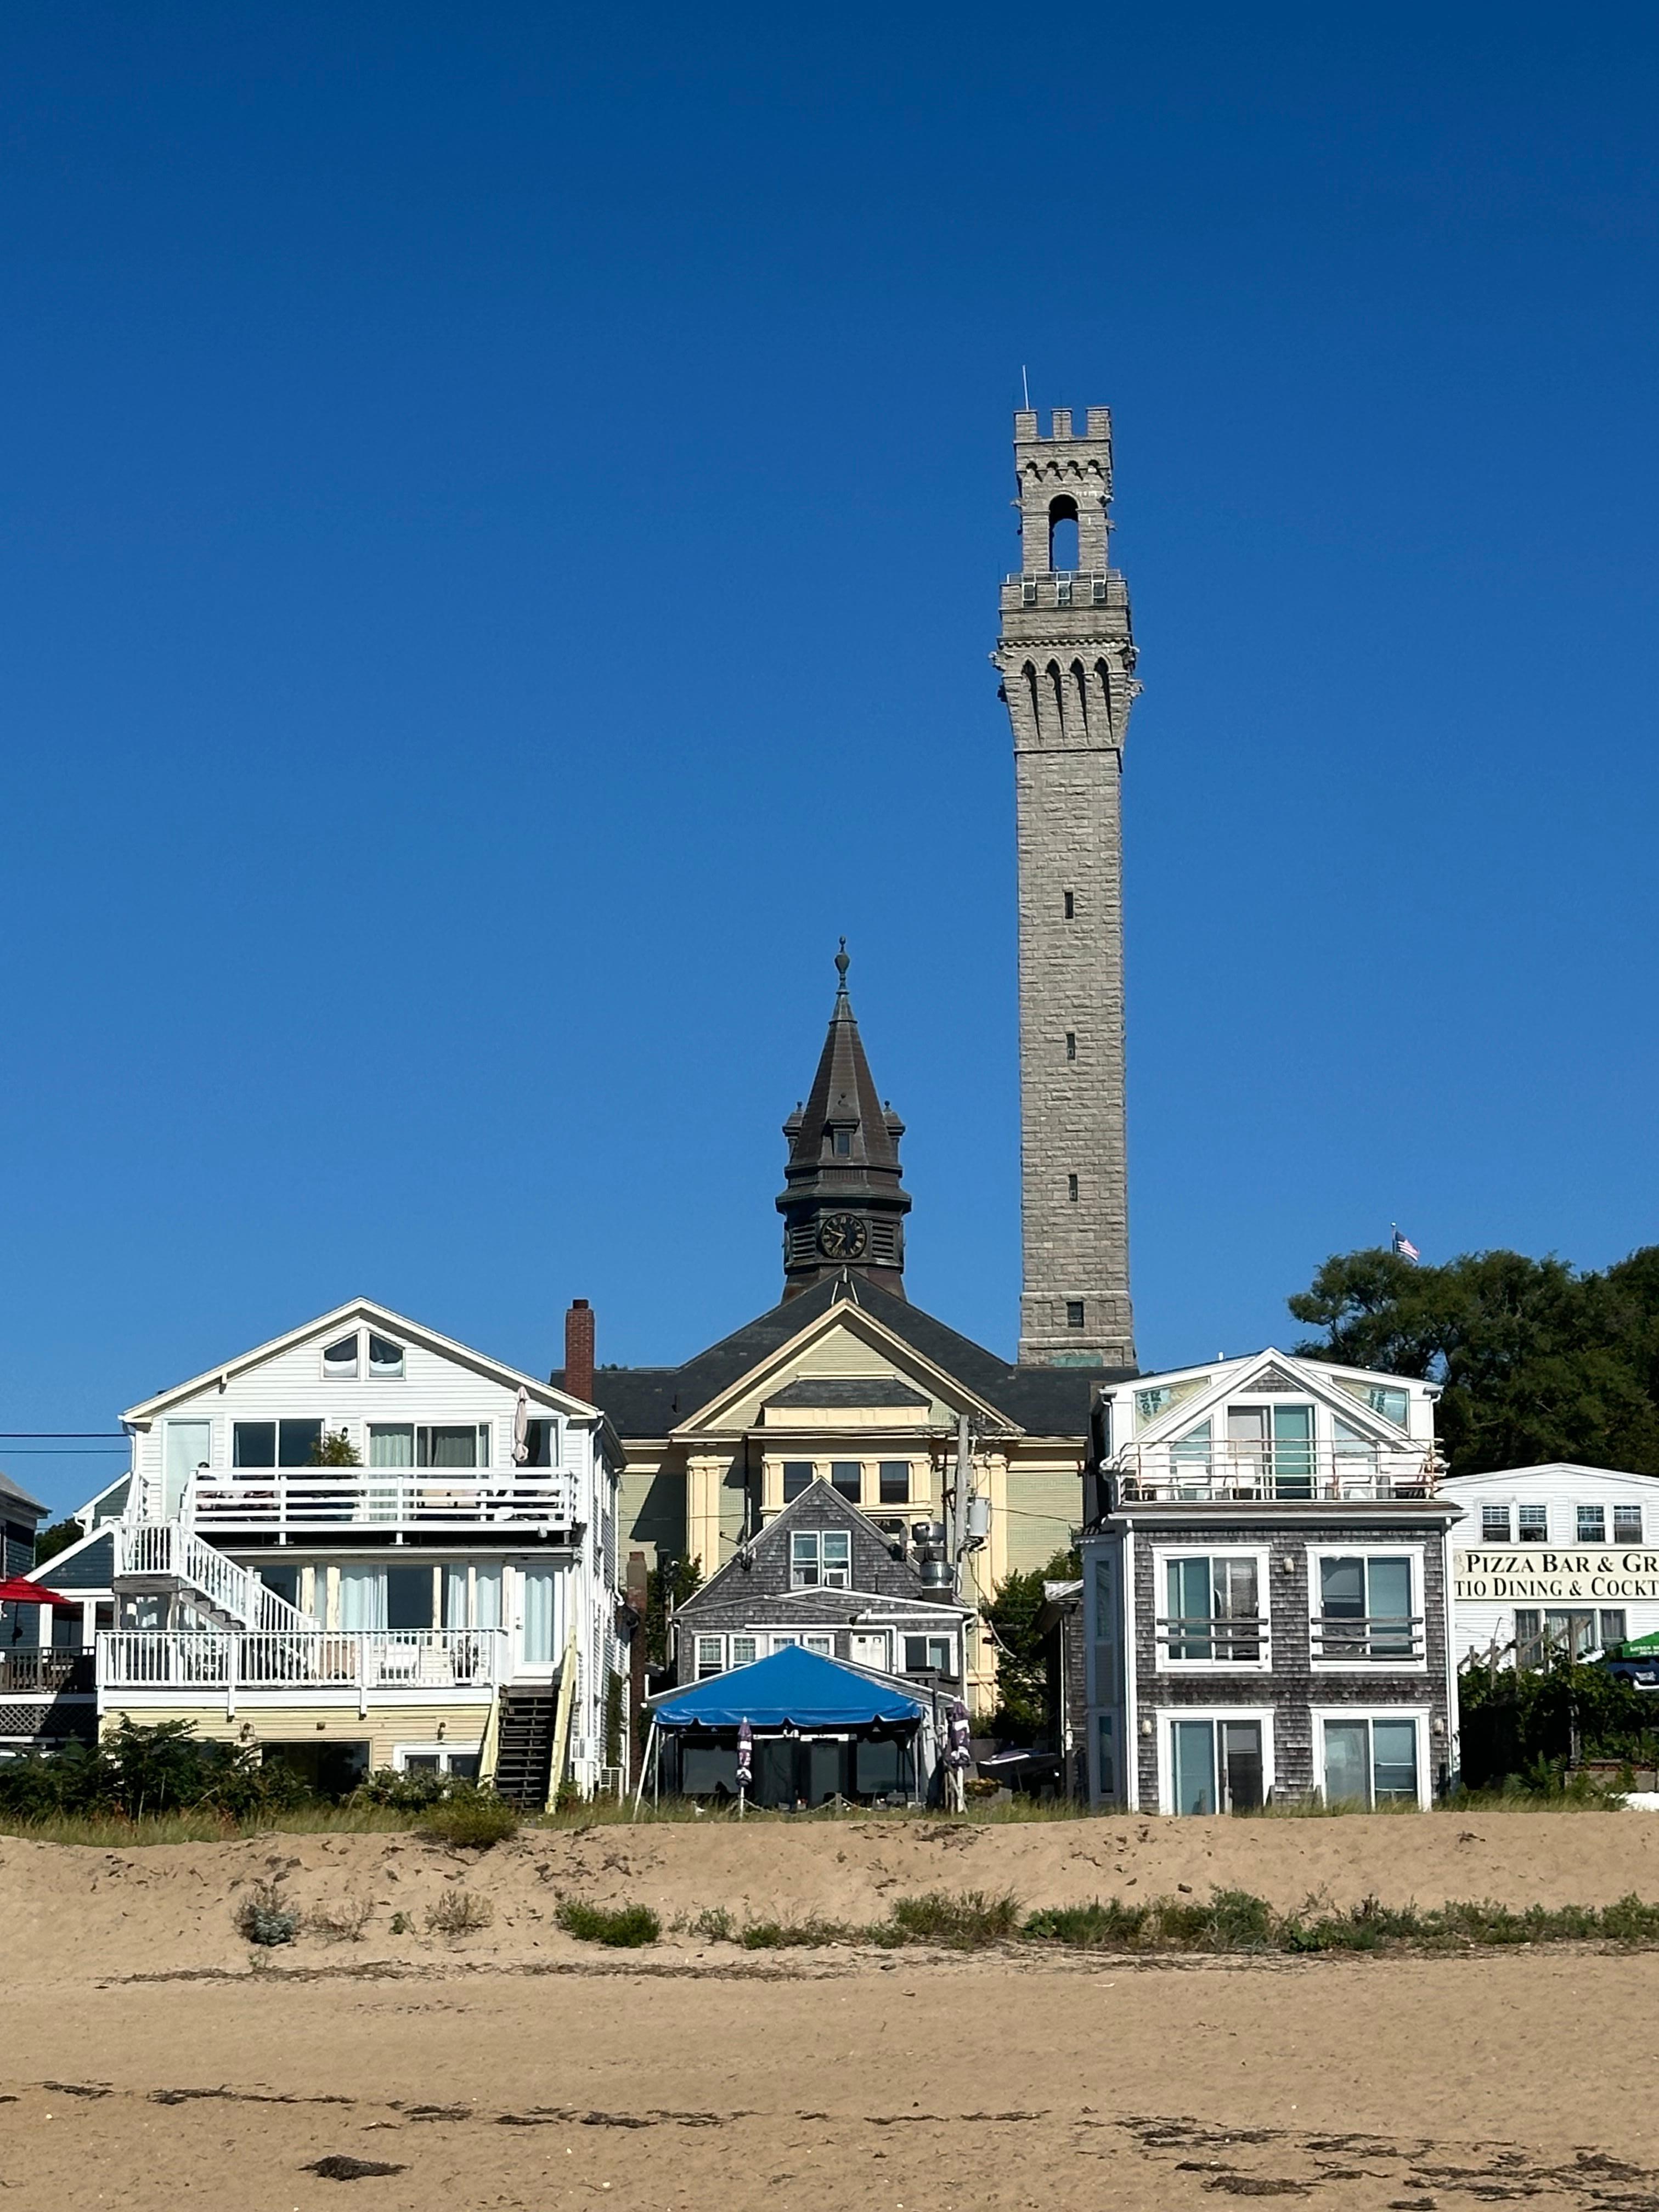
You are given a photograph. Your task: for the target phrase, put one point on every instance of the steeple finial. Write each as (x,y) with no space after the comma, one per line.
(843,963)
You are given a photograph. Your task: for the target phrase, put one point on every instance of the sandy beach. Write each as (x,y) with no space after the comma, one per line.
(155,2059)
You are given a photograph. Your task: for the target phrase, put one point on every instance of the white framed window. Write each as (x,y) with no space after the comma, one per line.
(1626,1524)
(847,1476)
(275,1444)
(745,1650)
(1214,1759)
(1375,1758)
(386,1359)
(435,1758)
(1566,1631)
(710,1656)
(340,1359)
(456,1444)
(1367,1608)
(820,1558)
(824,1645)
(1494,1524)
(1532,1524)
(784,1642)
(797,1479)
(1592,1525)
(1211,1609)
(929,1655)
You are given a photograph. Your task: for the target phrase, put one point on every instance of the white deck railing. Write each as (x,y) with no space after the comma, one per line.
(166,1550)
(209,1664)
(318,1501)
(1275,1473)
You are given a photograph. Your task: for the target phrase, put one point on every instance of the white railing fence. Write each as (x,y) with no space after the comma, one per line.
(311,1499)
(169,1551)
(193,1662)
(1276,1471)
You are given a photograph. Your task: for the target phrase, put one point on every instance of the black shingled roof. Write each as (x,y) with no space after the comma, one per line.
(649,1401)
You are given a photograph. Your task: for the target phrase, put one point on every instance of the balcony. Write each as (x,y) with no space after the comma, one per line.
(289,1664)
(1377,1640)
(1223,1640)
(40,1670)
(311,1502)
(1272,1474)
(1065,587)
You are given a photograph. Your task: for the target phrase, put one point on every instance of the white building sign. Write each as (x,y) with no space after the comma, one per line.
(1539,1576)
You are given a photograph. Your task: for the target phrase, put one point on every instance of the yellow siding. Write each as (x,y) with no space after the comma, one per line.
(382,1726)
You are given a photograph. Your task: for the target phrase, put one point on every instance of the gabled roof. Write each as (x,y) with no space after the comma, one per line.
(818,1503)
(378,1316)
(1555,1469)
(10,1494)
(844,1393)
(1264,1373)
(654,1401)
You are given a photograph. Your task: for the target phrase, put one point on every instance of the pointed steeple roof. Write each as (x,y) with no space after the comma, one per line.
(844,1095)
(843,1170)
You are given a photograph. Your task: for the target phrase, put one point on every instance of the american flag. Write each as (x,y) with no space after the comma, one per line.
(1404,1246)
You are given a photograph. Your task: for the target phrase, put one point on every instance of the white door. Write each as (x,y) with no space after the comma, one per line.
(870,1652)
(541,1619)
(185,1446)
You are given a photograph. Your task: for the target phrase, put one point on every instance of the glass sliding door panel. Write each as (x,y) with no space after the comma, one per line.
(540,1627)
(486,1597)
(1394,1762)
(1347,1763)
(392,1447)
(185,1445)
(449,1447)
(1342,1607)
(1189,1609)
(297,1443)
(1241,1765)
(362,1597)
(1391,1602)
(1247,1446)
(409,1597)
(1238,1638)
(1294,1451)
(1192,1746)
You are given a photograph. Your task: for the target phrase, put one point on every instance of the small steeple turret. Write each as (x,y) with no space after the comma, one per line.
(842,1205)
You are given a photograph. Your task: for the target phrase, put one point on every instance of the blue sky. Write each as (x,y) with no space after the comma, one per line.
(500,517)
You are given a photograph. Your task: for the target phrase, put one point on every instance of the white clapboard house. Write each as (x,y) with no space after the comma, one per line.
(365,1546)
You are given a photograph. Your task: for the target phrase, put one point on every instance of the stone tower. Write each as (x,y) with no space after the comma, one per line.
(842,1205)
(1067,658)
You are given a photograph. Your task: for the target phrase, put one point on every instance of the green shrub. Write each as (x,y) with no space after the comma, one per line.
(471,1818)
(625,1928)
(714,1924)
(138,1772)
(966,1921)
(410,1792)
(790,1935)
(1110,1926)
(263,1916)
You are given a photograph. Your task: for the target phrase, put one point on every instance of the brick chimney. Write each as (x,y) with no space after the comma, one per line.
(579,1350)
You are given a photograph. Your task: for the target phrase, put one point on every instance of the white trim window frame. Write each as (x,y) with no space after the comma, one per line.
(811,1565)
(1383,1652)
(1165,1636)
(707,1656)
(444,1754)
(1169,1716)
(1417,1715)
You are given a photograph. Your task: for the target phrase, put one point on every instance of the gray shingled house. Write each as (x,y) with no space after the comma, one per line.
(822,1576)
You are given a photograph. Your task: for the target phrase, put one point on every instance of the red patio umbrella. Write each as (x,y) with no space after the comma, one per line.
(17,1590)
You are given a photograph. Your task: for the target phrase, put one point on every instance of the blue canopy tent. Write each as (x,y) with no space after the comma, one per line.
(821,1731)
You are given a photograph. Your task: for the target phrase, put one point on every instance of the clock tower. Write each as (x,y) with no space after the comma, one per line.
(842,1205)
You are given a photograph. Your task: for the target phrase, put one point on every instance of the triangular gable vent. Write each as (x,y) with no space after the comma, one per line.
(1271,1381)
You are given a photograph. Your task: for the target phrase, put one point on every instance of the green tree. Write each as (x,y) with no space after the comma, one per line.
(1535,1360)
(1022,1715)
(334,1448)
(667,1586)
(58,1538)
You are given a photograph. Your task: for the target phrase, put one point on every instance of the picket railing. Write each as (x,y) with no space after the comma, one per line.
(208,1663)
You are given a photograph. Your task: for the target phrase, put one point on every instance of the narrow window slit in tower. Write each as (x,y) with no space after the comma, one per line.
(1071,1044)
(1071,1189)
(1070,906)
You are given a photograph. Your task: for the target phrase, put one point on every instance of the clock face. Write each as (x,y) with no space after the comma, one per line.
(842,1236)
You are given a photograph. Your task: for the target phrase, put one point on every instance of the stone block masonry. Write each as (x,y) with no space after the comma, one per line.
(1066,657)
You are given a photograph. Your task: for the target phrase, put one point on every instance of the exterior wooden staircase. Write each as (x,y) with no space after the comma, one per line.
(523,1755)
